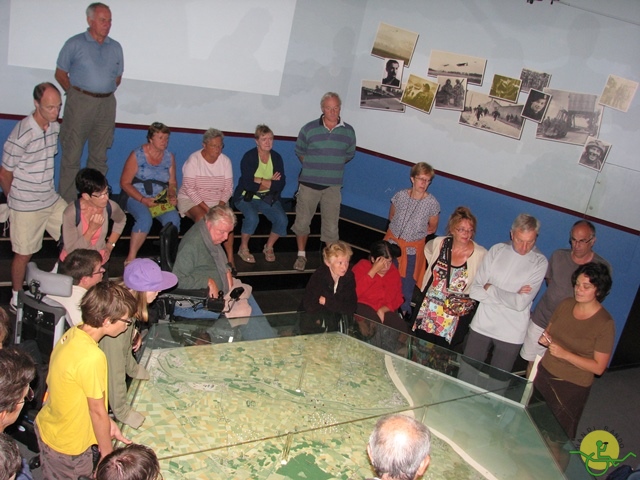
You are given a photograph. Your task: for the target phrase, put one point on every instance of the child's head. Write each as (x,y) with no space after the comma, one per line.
(107,301)
(336,256)
(131,462)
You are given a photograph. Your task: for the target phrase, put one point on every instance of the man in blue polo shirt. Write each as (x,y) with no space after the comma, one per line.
(324,146)
(89,69)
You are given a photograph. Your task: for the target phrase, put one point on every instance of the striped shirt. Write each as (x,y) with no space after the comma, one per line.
(325,152)
(206,182)
(29,154)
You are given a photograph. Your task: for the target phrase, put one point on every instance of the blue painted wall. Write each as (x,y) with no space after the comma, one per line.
(371,181)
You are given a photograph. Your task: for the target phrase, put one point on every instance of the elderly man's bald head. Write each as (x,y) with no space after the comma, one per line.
(399,448)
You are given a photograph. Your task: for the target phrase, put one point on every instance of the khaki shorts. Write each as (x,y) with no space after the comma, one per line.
(27,228)
(531,347)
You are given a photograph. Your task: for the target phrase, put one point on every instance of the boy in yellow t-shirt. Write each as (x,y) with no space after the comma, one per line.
(75,415)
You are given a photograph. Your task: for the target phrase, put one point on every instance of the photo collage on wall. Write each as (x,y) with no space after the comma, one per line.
(560,115)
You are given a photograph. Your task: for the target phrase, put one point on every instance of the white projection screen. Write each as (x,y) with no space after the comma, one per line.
(228,45)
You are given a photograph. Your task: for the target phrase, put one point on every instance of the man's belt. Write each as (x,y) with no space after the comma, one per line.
(91,94)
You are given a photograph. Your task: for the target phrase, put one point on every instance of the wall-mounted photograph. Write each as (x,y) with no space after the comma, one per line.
(394,42)
(536,105)
(376,96)
(492,115)
(533,79)
(456,65)
(570,118)
(451,93)
(505,88)
(594,154)
(618,93)
(392,75)
(419,93)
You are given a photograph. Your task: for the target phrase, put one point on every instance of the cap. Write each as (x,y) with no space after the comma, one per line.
(144,275)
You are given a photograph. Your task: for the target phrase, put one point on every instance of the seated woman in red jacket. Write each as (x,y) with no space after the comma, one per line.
(379,286)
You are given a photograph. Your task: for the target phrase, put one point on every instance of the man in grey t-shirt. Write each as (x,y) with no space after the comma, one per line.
(562,264)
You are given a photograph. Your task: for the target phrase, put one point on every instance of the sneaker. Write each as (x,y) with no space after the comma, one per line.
(300,263)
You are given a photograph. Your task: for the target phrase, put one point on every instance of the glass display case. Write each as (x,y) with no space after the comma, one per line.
(289,405)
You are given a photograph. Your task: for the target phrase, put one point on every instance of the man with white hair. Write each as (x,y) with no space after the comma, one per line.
(507,281)
(399,448)
(89,69)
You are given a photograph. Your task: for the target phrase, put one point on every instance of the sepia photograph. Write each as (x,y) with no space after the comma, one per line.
(571,117)
(618,93)
(491,115)
(419,93)
(376,96)
(392,75)
(505,88)
(594,154)
(451,93)
(394,42)
(536,105)
(456,65)
(532,79)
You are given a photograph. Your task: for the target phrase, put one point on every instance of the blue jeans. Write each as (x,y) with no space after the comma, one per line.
(274,213)
(408,283)
(257,328)
(143,218)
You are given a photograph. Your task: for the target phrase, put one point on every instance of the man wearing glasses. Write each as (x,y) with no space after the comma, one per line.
(85,267)
(17,370)
(562,264)
(74,416)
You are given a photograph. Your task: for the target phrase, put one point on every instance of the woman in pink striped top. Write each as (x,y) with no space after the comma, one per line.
(207,181)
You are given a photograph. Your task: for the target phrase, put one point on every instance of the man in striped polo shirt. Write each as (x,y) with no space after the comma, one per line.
(324,146)
(26,177)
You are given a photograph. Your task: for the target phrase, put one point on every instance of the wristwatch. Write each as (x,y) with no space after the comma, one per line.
(113,244)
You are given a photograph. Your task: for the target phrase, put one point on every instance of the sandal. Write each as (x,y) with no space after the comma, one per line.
(269,256)
(246,256)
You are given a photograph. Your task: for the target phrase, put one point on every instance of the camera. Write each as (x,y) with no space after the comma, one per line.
(216,305)
(236,292)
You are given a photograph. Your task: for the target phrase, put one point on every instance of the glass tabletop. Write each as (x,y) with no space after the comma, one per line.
(287,405)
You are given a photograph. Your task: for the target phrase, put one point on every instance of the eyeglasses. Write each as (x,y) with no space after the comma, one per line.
(582,241)
(464,230)
(99,272)
(104,193)
(28,397)
(423,179)
(128,321)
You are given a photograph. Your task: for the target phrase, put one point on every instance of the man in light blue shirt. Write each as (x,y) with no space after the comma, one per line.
(89,69)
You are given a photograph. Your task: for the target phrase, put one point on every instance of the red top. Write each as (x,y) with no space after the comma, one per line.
(378,291)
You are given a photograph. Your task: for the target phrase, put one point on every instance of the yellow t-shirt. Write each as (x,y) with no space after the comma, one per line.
(77,371)
(264,170)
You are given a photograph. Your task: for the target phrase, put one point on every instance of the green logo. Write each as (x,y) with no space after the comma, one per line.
(599,450)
